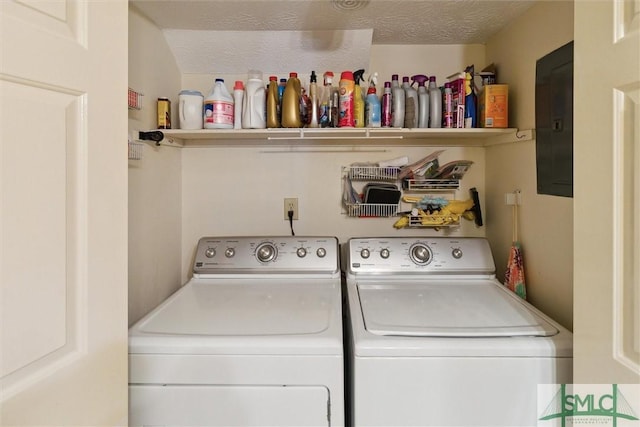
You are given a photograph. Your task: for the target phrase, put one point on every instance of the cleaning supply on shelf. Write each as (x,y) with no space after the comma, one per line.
(411,107)
(435,104)
(190,104)
(238,95)
(358,99)
(273,121)
(253,104)
(397,102)
(313,99)
(346,107)
(218,107)
(291,103)
(423,100)
(281,86)
(386,106)
(470,100)
(327,109)
(373,108)
(448,106)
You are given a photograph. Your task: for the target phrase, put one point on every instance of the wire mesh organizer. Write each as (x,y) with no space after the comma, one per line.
(135,150)
(431,185)
(354,207)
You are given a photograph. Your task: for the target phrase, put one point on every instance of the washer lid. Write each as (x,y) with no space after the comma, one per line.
(252,308)
(448,309)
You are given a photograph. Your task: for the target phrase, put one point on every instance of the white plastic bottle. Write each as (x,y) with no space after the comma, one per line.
(238,95)
(411,106)
(254,103)
(435,99)
(397,102)
(423,100)
(218,107)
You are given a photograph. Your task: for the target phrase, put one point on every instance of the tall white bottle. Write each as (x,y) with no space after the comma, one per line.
(255,101)
(397,103)
(435,99)
(423,100)
(411,106)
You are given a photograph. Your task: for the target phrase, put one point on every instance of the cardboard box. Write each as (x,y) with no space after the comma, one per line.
(494,106)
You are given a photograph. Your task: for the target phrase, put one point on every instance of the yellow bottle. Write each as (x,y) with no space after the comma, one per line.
(291,103)
(272,103)
(358,100)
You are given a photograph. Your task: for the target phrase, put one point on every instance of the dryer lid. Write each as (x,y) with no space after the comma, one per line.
(448,309)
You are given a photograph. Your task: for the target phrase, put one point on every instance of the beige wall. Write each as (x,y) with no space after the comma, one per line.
(155,209)
(546,222)
(177,196)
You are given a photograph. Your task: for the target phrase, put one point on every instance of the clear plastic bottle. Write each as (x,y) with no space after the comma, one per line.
(423,100)
(273,121)
(313,99)
(411,106)
(291,103)
(324,112)
(397,102)
(448,106)
(218,107)
(435,101)
(253,104)
(386,105)
(238,95)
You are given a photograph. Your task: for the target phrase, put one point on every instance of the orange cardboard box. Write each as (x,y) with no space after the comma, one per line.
(494,106)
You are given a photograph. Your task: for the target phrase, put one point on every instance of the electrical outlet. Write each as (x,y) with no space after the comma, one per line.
(291,204)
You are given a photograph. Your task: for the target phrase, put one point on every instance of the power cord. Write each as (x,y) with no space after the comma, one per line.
(290,215)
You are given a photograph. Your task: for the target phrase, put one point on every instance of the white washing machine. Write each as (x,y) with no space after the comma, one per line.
(435,340)
(254,339)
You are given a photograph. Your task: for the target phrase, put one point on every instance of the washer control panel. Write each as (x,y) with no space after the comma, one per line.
(436,255)
(220,255)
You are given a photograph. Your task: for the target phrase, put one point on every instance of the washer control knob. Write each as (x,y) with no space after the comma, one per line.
(210,253)
(321,252)
(302,252)
(384,253)
(230,252)
(365,253)
(456,253)
(420,254)
(266,252)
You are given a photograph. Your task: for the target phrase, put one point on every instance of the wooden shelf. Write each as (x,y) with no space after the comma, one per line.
(340,137)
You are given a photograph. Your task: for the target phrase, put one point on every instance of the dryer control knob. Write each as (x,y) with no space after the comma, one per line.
(384,253)
(321,252)
(365,253)
(456,253)
(302,252)
(266,252)
(210,253)
(230,252)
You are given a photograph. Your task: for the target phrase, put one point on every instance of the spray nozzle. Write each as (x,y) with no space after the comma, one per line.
(313,78)
(373,80)
(357,76)
(421,79)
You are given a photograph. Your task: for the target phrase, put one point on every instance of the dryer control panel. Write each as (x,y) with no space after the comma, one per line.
(260,255)
(433,255)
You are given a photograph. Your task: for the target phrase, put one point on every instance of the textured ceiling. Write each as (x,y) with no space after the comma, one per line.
(406,22)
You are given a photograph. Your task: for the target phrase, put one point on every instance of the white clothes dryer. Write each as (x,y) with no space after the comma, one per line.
(254,339)
(434,339)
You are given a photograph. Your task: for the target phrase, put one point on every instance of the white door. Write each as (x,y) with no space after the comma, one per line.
(63,332)
(607,192)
